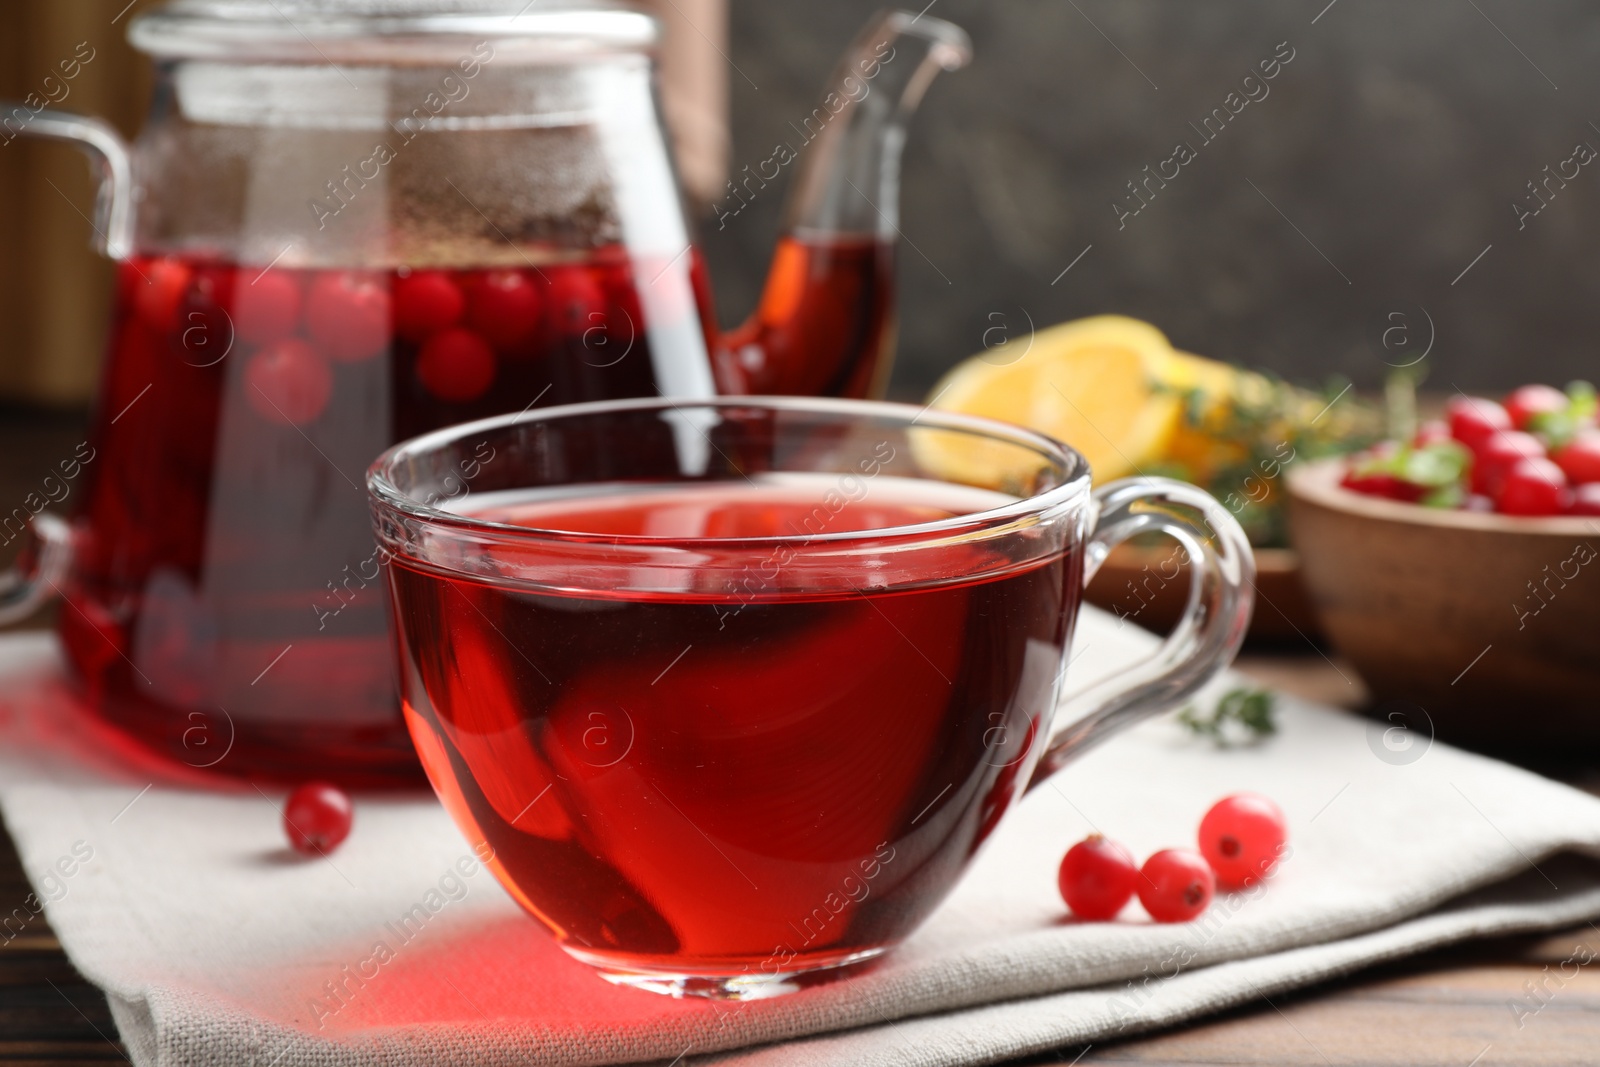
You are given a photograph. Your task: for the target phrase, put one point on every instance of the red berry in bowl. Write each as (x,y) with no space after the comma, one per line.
(347,315)
(1241,838)
(1473,419)
(1097,878)
(1175,885)
(1534,487)
(1384,485)
(1585,500)
(1497,455)
(1530,400)
(266,309)
(1431,433)
(1579,459)
(317,818)
(456,365)
(161,291)
(288,382)
(504,307)
(425,302)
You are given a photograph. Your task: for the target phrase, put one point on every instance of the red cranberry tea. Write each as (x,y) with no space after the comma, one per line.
(226,597)
(733,780)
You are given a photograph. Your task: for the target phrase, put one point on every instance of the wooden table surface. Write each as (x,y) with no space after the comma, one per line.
(1450,1008)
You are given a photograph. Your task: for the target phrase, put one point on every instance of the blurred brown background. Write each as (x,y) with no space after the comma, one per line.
(1394,145)
(1386,158)
(54,292)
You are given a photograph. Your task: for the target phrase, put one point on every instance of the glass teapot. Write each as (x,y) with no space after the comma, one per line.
(349,222)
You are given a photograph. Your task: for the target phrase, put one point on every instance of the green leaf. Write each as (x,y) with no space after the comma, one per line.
(1255,713)
(1583,402)
(1436,465)
(1448,497)
(1558,428)
(1249,711)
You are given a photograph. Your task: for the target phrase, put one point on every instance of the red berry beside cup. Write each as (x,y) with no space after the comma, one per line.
(1242,837)
(1097,878)
(317,818)
(1176,885)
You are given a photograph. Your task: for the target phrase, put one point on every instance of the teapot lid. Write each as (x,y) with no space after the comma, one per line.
(387,31)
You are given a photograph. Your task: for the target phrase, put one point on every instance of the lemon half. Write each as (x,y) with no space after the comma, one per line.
(1098,384)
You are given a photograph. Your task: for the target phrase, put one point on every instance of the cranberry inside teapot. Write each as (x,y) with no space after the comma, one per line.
(231,444)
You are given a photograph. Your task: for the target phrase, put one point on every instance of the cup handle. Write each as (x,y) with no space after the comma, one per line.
(40,569)
(1207,637)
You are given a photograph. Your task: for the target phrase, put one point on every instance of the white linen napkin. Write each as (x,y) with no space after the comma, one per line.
(216,945)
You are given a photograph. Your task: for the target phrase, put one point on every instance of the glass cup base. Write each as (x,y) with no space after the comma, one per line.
(714,985)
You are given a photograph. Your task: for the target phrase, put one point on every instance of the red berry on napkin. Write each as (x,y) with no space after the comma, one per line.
(1241,838)
(317,818)
(1175,885)
(1098,878)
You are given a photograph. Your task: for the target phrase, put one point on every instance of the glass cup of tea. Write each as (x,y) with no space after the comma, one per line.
(735,688)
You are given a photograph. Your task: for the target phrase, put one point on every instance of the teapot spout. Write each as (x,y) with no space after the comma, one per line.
(825,325)
(850,175)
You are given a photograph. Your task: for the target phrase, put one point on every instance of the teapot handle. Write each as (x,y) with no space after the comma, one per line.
(1207,637)
(39,571)
(113,209)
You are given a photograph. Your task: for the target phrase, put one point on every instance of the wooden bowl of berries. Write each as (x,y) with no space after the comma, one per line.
(1456,569)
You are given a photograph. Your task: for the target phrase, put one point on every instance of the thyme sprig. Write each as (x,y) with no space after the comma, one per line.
(1242,716)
